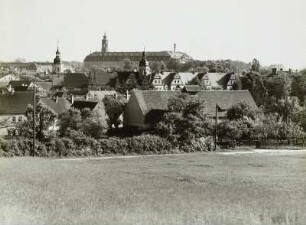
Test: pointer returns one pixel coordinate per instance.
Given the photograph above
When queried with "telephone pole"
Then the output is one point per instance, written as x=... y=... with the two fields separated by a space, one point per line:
x=34 y=123
x=216 y=128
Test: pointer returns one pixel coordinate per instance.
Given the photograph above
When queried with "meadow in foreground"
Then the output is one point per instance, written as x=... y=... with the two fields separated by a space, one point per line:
x=206 y=188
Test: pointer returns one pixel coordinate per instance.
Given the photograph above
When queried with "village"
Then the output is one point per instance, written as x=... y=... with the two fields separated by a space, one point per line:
x=152 y=112
x=126 y=93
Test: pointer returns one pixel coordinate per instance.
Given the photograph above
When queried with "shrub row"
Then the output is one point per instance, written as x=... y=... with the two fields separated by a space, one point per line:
x=78 y=145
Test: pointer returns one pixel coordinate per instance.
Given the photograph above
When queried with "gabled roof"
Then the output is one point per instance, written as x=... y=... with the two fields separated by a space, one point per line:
x=101 y=78
x=82 y=104
x=192 y=88
x=20 y=85
x=187 y=76
x=16 y=103
x=215 y=79
x=44 y=85
x=99 y=95
x=154 y=100
x=75 y=80
x=225 y=99
x=61 y=106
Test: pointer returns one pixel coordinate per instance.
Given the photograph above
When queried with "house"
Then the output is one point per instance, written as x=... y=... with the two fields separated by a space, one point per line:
x=58 y=106
x=146 y=108
x=96 y=106
x=8 y=78
x=21 y=85
x=217 y=81
x=43 y=88
x=223 y=100
x=13 y=108
x=192 y=89
x=101 y=80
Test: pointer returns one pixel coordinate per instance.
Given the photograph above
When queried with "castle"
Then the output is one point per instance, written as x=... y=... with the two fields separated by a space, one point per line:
x=105 y=59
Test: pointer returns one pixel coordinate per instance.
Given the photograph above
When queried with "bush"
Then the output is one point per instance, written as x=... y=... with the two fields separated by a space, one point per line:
x=148 y=144
x=113 y=146
x=202 y=144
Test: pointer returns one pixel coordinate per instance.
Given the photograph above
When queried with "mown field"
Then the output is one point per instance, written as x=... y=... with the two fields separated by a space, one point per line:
x=209 y=188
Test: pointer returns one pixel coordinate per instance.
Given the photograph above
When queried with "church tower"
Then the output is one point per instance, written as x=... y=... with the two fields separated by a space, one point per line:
x=57 y=66
x=104 y=43
x=144 y=68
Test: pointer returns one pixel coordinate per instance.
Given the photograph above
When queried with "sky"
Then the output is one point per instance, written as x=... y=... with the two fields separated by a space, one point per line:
x=273 y=31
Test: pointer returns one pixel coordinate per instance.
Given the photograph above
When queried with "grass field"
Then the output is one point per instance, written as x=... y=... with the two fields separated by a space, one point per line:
x=193 y=189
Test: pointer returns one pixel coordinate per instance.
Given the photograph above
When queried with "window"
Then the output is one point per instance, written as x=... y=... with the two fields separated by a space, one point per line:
x=14 y=119
x=19 y=118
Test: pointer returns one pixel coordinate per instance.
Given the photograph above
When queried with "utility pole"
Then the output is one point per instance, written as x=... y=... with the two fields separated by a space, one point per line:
x=216 y=128
x=34 y=122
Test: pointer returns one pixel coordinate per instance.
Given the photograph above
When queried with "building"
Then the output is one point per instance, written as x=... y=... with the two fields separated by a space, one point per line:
x=13 y=108
x=8 y=78
x=106 y=59
x=146 y=108
x=57 y=66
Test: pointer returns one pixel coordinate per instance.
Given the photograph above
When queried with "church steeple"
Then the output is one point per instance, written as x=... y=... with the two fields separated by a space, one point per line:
x=104 y=43
x=144 y=68
x=57 y=62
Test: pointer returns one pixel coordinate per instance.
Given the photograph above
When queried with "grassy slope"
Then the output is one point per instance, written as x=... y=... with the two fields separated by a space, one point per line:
x=188 y=189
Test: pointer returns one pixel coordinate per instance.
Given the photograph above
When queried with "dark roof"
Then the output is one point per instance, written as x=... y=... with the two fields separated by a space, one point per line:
x=158 y=100
x=225 y=99
x=20 y=85
x=16 y=103
x=75 y=80
x=192 y=88
x=44 y=85
x=168 y=79
x=61 y=106
x=101 y=78
x=82 y=104
x=154 y=100
x=135 y=56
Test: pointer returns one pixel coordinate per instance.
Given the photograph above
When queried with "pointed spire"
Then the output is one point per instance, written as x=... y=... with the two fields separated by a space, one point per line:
x=57 y=48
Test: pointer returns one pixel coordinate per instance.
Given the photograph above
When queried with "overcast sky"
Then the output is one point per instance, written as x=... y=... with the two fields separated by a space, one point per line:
x=273 y=31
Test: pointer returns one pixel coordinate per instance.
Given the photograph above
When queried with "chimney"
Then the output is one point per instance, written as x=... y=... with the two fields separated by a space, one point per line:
x=56 y=99
x=274 y=70
x=174 y=47
x=72 y=99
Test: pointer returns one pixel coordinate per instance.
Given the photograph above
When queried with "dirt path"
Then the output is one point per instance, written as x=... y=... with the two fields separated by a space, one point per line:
x=255 y=151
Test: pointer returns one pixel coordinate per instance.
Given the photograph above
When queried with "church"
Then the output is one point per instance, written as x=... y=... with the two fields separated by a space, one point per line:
x=105 y=59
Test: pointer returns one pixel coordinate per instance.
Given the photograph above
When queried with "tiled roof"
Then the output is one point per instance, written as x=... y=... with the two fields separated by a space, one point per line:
x=186 y=77
x=101 y=78
x=16 y=103
x=20 y=85
x=105 y=56
x=44 y=85
x=99 y=95
x=215 y=79
x=75 y=80
x=82 y=104
x=61 y=106
x=192 y=88
x=154 y=100
x=225 y=99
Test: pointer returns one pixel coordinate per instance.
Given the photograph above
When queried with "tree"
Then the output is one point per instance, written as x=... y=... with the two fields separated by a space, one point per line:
x=298 y=85
x=45 y=118
x=114 y=107
x=184 y=120
x=255 y=66
x=240 y=111
x=253 y=82
x=157 y=67
x=285 y=108
x=84 y=121
x=128 y=65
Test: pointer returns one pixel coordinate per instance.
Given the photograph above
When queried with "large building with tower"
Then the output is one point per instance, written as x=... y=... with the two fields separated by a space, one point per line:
x=106 y=59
